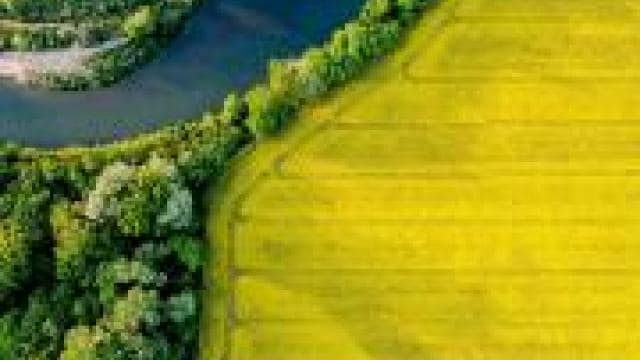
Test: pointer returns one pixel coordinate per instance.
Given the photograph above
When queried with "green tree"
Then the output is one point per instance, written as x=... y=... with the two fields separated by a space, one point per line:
x=124 y=274
x=379 y=9
x=81 y=343
x=74 y=240
x=118 y=335
x=141 y=23
x=141 y=200
x=234 y=110
x=39 y=329
x=189 y=252
x=7 y=342
x=15 y=245
x=267 y=111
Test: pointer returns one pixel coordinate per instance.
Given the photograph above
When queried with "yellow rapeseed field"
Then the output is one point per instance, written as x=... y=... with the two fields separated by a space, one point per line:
x=475 y=196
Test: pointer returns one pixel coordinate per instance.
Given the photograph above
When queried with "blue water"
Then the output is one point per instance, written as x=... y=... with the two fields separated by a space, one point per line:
x=224 y=48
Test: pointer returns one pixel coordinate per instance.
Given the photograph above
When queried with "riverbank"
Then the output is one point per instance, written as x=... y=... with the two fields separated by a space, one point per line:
x=218 y=52
x=24 y=66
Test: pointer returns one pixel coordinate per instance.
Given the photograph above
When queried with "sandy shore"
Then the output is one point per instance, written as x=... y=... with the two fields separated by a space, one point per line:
x=20 y=65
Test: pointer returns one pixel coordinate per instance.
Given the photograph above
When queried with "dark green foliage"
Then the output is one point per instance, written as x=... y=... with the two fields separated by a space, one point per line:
x=267 y=111
x=120 y=334
x=14 y=256
x=189 y=251
x=113 y=277
x=152 y=254
x=183 y=311
x=208 y=160
x=377 y=10
x=75 y=241
x=51 y=36
x=39 y=329
x=65 y=10
x=234 y=110
x=20 y=238
x=6 y=337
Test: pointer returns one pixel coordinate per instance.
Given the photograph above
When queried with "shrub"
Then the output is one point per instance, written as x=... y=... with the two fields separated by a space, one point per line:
x=178 y=212
x=189 y=251
x=234 y=110
x=74 y=238
x=118 y=335
x=141 y=23
x=81 y=343
x=38 y=330
x=378 y=9
x=267 y=111
x=122 y=273
x=14 y=256
x=7 y=342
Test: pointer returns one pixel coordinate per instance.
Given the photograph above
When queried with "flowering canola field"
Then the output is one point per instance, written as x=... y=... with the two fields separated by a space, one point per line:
x=474 y=196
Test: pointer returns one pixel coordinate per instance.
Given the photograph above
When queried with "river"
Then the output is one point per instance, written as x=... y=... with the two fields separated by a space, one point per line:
x=225 y=47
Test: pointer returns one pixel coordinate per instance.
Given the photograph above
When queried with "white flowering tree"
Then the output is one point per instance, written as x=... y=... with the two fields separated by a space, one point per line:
x=178 y=213
x=100 y=203
x=141 y=200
